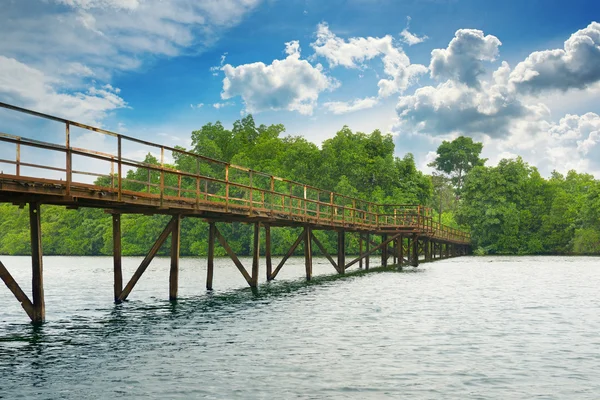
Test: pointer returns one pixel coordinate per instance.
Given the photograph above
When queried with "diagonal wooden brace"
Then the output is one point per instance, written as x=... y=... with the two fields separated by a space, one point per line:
x=149 y=257
x=370 y=251
x=14 y=287
x=233 y=256
x=325 y=253
x=288 y=254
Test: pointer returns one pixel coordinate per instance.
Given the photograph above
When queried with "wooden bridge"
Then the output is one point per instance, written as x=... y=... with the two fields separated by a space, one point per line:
x=73 y=173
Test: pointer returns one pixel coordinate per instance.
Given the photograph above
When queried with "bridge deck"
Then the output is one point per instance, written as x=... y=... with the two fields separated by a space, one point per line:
x=113 y=179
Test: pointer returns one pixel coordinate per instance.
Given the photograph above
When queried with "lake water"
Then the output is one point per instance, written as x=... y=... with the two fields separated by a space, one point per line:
x=469 y=327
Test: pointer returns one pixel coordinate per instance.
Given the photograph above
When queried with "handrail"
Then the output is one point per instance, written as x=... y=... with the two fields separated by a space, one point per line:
x=337 y=210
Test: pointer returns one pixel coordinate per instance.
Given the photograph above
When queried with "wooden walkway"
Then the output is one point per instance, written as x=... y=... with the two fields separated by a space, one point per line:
x=110 y=176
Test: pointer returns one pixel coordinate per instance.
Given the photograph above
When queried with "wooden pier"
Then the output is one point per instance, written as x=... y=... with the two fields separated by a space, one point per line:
x=204 y=188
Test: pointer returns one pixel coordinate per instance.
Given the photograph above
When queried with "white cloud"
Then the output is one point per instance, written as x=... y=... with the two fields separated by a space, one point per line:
x=341 y=107
x=289 y=84
x=87 y=4
x=27 y=86
x=410 y=38
x=84 y=39
x=463 y=59
x=224 y=104
x=577 y=66
x=355 y=52
x=196 y=106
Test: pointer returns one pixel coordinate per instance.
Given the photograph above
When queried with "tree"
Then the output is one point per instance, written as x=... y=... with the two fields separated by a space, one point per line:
x=457 y=158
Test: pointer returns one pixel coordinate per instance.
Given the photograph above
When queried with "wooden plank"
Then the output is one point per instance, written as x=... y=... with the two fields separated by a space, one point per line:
x=268 y=250
x=255 y=255
x=369 y=251
x=117 y=259
x=174 y=270
x=37 y=269
x=308 y=252
x=288 y=255
x=325 y=253
x=144 y=265
x=16 y=290
x=211 y=255
x=233 y=256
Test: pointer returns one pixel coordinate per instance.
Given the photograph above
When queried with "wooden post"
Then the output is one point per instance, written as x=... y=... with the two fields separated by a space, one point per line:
x=426 y=249
x=341 y=251
x=174 y=273
x=415 y=250
x=68 y=168
x=18 y=158
x=211 y=255
x=308 y=252
x=37 y=270
x=360 y=250
x=117 y=268
x=400 y=250
x=367 y=244
x=120 y=169
x=255 y=255
x=268 y=252
x=384 y=251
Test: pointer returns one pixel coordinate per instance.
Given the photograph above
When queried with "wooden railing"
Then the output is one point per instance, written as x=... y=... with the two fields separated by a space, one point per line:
x=201 y=181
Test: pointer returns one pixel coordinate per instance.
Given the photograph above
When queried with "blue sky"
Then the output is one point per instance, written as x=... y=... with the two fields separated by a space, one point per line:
x=521 y=76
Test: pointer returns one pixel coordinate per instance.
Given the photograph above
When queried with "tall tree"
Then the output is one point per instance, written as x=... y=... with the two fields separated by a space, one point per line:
x=457 y=158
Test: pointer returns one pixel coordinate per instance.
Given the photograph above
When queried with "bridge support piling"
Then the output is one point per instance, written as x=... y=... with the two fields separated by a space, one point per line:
x=360 y=250
x=384 y=251
x=400 y=250
x=426 y=249
x=415 y=250
x=211 y=256
x=174 y=271
x=268 y=252
x=117 y=259
x=341 y=252
x=308 y=252
x=255 y=255
x=37 y=271
x=368 y=245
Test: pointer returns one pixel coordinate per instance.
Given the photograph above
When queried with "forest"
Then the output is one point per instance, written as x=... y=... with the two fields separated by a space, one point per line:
x=509 y=208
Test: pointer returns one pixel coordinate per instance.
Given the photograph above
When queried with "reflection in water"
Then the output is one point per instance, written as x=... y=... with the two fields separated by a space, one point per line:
x=467 y=327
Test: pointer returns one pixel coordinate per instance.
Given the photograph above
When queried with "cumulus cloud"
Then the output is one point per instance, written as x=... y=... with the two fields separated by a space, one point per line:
x=355 y=52
x=463 y=59
x=576 y=66
x=342 y=107
x=27 y=86
x=290 y=84
x=455 y=107
x=218 y=106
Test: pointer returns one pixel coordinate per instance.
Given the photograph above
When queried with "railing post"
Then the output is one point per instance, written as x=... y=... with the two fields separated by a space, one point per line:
x=120 y=169
x=18 y=157
x=69 y=175
x=251 y=193
x=162 y=175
